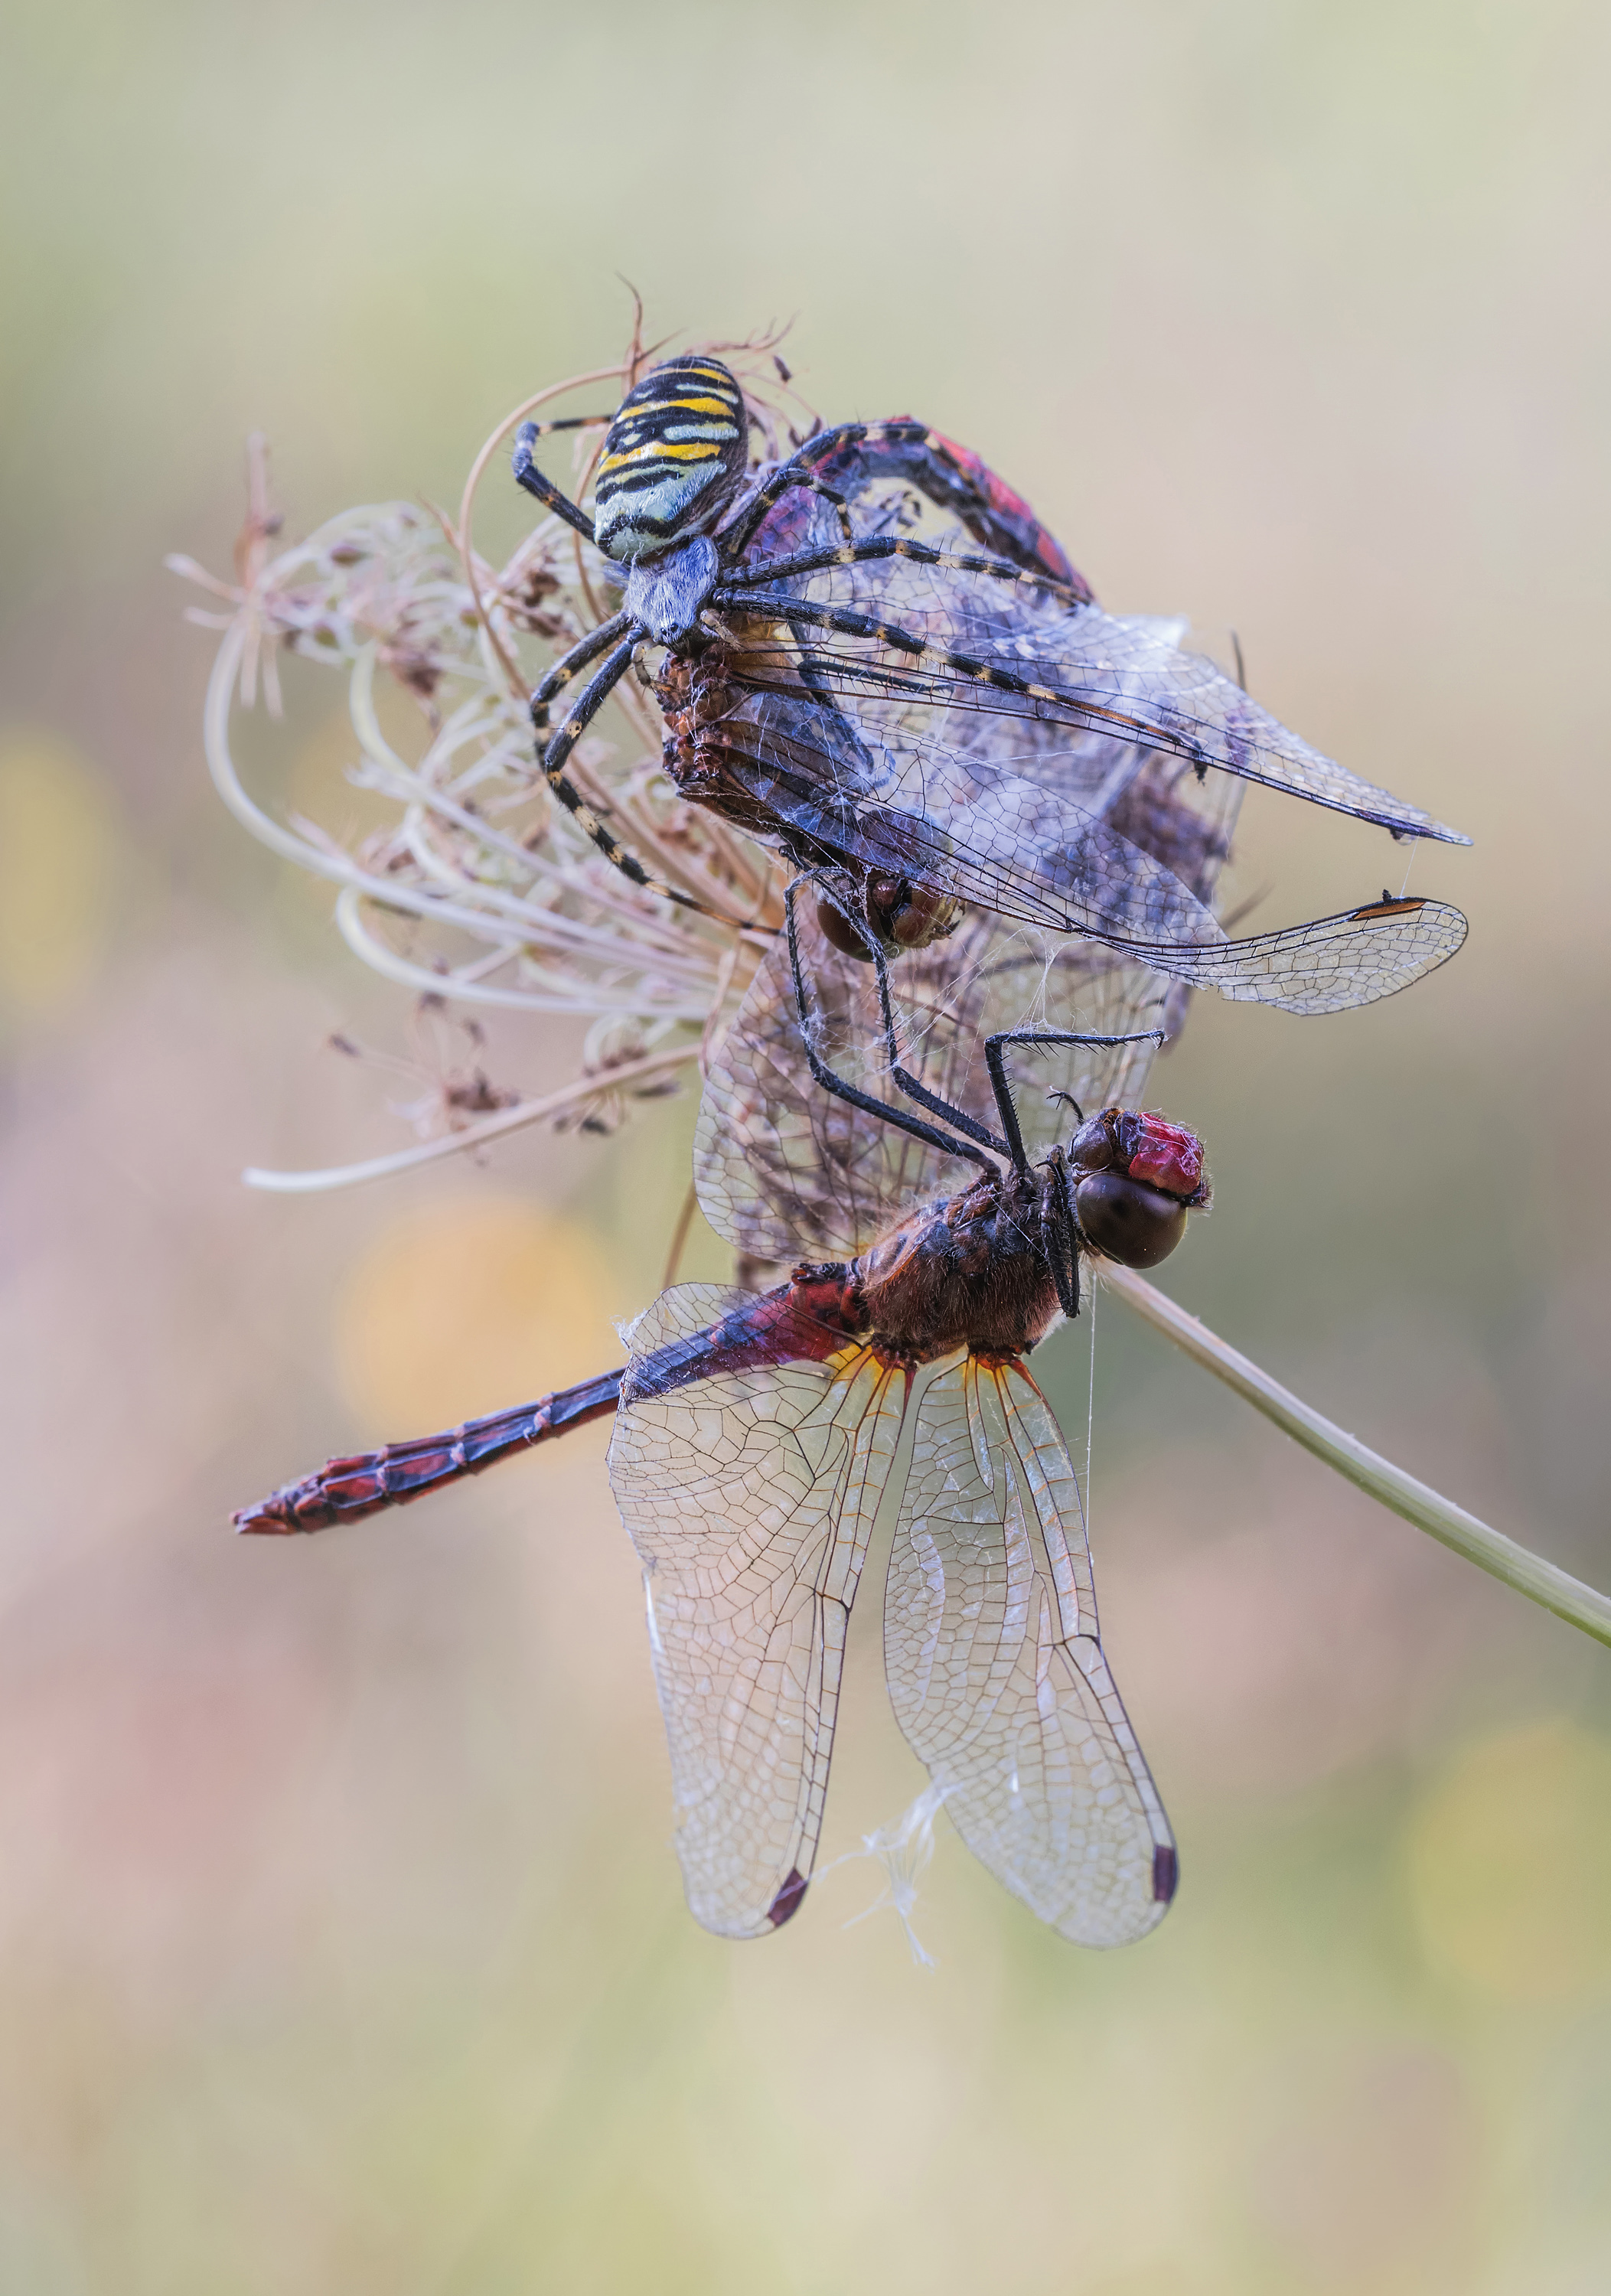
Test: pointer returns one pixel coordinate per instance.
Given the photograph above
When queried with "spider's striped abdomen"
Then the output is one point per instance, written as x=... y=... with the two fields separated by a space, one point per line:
x=671 y=458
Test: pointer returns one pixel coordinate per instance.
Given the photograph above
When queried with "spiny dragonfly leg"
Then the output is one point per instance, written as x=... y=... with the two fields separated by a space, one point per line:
x=949 y=1145
x=995 y=1060
x=908 y=1083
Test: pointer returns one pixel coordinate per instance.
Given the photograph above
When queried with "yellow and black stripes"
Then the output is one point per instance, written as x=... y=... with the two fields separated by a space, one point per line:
x=528 y=475
x=589 y=701
x=679 y=445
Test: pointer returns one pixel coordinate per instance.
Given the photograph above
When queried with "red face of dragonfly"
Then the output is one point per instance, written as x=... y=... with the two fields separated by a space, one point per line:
x=1136 y=1177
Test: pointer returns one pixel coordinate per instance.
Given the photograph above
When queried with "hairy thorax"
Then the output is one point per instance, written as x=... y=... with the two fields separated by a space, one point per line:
x=970 y=1271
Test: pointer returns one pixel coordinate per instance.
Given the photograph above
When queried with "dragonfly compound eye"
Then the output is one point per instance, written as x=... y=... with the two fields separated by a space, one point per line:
x=1135 y=1179
x=1126 y=1220
x=892 y=911
x=840 y=932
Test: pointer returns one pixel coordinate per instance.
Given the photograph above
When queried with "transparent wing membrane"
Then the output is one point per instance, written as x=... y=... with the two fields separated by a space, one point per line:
x=1104 y=676
x=749 y=1479
x=996 y=1671
x=783 y=1169
x=1013 y=845
x=1102 y=803
x=750 y=1495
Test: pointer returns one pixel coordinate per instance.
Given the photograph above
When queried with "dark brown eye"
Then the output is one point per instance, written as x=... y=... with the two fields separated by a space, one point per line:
x=1133 y=1223
x=839 y=933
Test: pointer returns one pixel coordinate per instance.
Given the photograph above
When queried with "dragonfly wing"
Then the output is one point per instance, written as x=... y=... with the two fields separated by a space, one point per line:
x=784 y=1168
x=955 y=819
x=749 y=1493
x=1118 y=676
x=1331 y=964
x=1016 y=848
x=1183 y=702
x=996 y=1668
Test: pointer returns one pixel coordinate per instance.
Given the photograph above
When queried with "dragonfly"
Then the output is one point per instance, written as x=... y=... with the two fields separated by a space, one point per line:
x=949 y=726
x=757 y=1433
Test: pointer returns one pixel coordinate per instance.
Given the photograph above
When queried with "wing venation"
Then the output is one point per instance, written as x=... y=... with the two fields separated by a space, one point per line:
x=996 y=1667
x=749 y=1496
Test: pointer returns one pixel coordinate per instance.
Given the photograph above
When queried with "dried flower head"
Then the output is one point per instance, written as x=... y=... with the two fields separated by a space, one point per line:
x=480 y=890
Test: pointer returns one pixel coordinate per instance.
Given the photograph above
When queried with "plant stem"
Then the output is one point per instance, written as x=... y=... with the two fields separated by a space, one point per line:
x=1542 y=1582
x=476 y=1135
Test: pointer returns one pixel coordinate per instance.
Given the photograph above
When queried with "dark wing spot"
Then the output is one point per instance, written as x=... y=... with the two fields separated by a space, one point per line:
x=789 y=1898
x=1166 y=1872
x=1385 y=908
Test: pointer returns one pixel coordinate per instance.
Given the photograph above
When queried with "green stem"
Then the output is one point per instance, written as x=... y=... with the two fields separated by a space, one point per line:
x=1542 y=1582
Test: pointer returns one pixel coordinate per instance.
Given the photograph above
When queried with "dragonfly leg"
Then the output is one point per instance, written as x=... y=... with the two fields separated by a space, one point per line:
x=1062 y=1242
x=995 y=1060
x=908 y=1083
x=948 y=1143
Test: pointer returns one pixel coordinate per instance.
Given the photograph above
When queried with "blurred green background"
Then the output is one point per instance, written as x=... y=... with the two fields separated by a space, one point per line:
x=343 y=1950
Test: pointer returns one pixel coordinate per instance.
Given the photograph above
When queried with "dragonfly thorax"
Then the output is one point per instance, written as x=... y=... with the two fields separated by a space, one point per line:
x=671 y=459
x=969 y=1271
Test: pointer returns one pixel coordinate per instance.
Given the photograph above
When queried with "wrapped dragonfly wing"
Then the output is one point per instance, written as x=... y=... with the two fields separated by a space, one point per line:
x=1044 y=806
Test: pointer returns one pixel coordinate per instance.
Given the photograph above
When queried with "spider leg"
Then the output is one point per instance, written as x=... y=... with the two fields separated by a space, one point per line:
x=528 y=476
x=954 y=480
x=570 y=665
x=995 y=1061
x=797 y=472
x=586 y=706
x=853 y=552
x=837 y=1084
x=847 y=623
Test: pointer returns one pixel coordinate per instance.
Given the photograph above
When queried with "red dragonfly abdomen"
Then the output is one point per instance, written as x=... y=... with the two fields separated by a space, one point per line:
x=345 y=1490
x=807 y=1319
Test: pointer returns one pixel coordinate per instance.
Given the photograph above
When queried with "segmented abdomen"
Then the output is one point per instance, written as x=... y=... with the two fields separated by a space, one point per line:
x=671 y=457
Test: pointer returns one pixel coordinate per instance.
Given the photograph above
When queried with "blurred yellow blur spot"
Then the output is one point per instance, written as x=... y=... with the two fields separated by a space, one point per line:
x=58 y=845
x=468 y=1307
x=1509 y=1866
